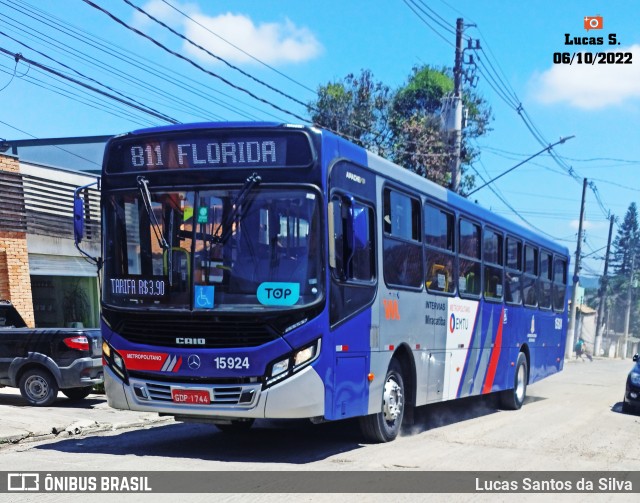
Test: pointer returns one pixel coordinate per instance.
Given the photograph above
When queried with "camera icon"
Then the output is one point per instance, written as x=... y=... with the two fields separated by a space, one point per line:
x=593 y=23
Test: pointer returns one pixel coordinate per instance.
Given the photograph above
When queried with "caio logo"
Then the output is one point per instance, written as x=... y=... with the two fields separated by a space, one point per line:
x=593 y=23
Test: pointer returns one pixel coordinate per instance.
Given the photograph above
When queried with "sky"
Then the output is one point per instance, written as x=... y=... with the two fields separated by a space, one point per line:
x=273 y=54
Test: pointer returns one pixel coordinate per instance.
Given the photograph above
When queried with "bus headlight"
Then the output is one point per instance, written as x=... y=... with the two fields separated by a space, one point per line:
x=114 y=361
x=281 y=369
x=305 y=355
x=117 y=361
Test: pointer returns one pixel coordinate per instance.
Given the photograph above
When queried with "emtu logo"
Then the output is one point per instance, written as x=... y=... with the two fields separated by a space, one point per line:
x=458 y=323
x=593 y=23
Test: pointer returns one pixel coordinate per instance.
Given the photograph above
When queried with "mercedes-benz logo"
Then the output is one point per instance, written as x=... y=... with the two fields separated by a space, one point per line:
x=194 y=362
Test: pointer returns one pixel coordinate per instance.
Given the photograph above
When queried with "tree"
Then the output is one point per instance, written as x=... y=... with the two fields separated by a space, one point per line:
x=404 y=125
x=355 y=108
x=626 y=246
x=626 y=263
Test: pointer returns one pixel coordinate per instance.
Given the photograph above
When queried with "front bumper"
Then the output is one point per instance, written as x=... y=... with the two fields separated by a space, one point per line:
x=300 y=396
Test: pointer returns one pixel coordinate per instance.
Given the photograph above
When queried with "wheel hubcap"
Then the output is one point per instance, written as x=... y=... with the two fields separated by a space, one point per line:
x=520 y=384
x=393 y=401
x=37 y=387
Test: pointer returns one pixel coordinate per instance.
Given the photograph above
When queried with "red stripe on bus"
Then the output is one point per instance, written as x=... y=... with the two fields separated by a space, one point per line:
x=495 y=356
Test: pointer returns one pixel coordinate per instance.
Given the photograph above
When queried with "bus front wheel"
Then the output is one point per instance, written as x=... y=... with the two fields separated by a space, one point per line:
x=512 y=399
x=385 y=425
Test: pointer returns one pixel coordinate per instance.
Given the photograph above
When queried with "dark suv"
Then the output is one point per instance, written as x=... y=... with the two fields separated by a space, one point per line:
x=41 y=361
x=631 y=400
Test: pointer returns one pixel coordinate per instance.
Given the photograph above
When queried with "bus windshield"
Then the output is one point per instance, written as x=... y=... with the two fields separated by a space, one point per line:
x=237 y=249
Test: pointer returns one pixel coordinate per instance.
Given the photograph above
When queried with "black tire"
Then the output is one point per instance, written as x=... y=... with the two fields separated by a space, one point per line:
x=625 y=407
x=236 y=426
x=512 y=399
x=78 y=393
x=38 y=387
x=385 y=425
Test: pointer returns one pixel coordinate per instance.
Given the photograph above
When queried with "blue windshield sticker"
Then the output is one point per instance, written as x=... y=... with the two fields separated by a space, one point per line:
x=203 y=297
x=278 y=294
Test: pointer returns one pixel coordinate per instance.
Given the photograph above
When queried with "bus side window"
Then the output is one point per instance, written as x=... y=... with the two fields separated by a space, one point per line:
x=351 y=257
x=544 y=281
x=559 y=283
x=529 y=278
x=439 y=232
x=493 y=263
x=403 y=262
x=469 y=266
x=513 y=273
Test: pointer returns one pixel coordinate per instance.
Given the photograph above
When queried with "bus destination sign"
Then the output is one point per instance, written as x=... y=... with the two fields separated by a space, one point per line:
x=224 y=151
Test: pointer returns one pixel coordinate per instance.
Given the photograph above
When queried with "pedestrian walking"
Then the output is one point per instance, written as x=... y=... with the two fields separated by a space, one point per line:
x=581 y=350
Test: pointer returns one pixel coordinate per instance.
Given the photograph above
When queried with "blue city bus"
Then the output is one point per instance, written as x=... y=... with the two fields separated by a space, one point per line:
x=264 y=270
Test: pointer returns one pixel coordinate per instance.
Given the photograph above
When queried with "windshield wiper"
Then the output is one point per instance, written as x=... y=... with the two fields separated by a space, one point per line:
x=239 y=209
x=143 y=185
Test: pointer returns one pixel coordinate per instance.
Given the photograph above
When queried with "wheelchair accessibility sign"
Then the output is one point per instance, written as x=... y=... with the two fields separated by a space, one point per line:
x=203 y=297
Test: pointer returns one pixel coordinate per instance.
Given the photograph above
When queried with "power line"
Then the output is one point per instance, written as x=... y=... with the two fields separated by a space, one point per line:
x=515 y=212
x=413 y=7
x=131 y=59
x=158 y=114
x=215 y=56
x=94 y=89
x=89 y=101
x=191 y=62
x=238 y=48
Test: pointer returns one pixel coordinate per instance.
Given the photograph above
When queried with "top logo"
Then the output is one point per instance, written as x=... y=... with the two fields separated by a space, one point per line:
x=593 y=23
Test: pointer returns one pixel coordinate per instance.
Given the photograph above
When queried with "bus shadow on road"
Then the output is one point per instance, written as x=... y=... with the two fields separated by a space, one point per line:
x=269 y=441
x=294 y=442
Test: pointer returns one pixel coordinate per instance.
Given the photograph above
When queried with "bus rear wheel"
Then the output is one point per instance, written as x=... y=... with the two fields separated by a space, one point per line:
x=385 y=425
x=512 y=399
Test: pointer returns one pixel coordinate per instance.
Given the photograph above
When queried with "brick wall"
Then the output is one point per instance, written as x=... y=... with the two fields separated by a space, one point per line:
x=15 y=282
x=9 y=163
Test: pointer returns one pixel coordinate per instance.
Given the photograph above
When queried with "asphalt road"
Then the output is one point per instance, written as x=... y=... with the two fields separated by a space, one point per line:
x=570 y=421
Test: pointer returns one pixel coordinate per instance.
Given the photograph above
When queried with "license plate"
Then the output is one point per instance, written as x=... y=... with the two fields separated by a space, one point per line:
x=191 y=396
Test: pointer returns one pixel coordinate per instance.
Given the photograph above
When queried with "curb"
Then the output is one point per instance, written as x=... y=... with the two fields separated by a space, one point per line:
x=78 y=429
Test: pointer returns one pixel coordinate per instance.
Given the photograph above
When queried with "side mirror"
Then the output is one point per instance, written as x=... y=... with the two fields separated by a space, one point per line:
x=78 y=218
x=636 y=357
x=78 y=222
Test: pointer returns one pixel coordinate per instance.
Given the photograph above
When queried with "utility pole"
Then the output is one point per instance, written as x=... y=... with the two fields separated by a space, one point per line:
x=627 y=315
x=576 y=271
x=603 y=293
x=457 y=104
